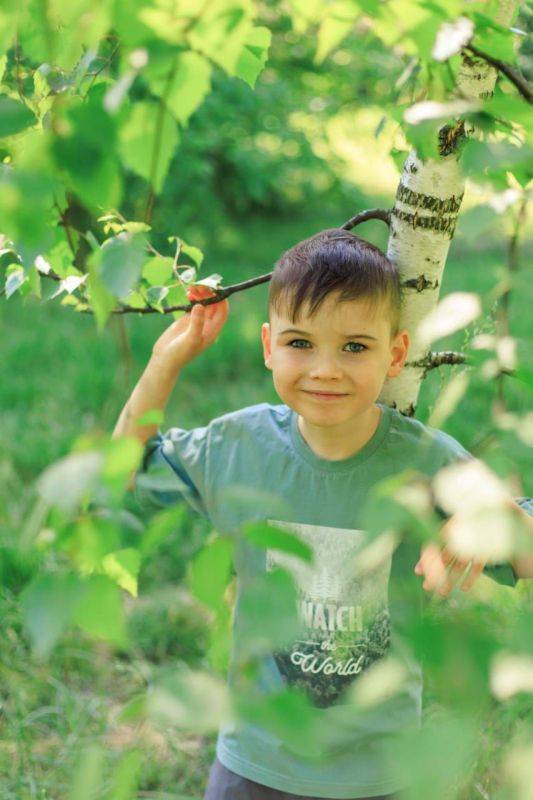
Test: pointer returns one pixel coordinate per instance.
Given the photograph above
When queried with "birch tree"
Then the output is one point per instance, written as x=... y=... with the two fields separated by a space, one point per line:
x=91 y=93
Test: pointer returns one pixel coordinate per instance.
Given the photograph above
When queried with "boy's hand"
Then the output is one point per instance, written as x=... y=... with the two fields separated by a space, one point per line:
x=188 y=336
x=443 y=570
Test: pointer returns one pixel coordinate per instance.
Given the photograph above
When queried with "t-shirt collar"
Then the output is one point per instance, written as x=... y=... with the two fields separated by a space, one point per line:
x=343 y=464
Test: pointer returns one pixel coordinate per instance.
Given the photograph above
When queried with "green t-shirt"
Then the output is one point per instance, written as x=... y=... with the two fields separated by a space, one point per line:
x=253 y=464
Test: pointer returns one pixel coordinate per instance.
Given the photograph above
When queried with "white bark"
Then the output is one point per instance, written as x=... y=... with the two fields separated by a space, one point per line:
x=422 y=225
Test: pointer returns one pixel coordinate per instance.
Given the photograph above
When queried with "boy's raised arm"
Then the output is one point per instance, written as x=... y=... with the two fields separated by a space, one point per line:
x=179 y=344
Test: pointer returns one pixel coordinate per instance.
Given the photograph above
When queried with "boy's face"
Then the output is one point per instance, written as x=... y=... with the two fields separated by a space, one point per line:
x=345 y=348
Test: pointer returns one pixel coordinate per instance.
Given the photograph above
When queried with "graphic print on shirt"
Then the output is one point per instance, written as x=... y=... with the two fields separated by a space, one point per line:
x=342 y=606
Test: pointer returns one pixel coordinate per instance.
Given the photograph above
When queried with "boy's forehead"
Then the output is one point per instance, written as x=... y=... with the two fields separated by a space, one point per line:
x=333 y=314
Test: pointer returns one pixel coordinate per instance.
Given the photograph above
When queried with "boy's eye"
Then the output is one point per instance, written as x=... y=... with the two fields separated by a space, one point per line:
x=357 y=344
x=294 y=343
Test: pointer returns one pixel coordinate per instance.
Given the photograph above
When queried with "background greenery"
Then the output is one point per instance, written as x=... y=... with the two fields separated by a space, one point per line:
x=255 y=171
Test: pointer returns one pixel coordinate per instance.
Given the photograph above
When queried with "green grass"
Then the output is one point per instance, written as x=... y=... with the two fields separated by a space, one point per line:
x=62 y=380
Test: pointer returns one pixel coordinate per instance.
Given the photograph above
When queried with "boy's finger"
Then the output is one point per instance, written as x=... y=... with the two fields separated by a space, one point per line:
x=472 y=576
x=434 y=569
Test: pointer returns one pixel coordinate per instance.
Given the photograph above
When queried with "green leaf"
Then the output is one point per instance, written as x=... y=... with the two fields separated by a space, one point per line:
x=86 y=128
x=48 y=604
x=190 y=83
x=161 y=525
x=15 y=277
x=155 y=296
x=177 y=296
x=88 y=773
x=121 y=458
x=254 y=55
x=122 y=566
x=100 y=611
x=68 y=481
x=266 y=535
x=193 y=700
x=120 y=262
x=268 y=613
x=14 y=116
x=494 y=39
x=193 y=252
x=153 y=417
x=147 y=142
x=125 y=777
x=222 y=31
x=157 y=271
x=210 y=572
x=337 y=23
x=102 y=301
x=34 y=281
x=30 y=225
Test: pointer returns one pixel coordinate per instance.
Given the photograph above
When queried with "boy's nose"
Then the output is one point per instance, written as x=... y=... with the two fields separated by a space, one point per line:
x=326 y=368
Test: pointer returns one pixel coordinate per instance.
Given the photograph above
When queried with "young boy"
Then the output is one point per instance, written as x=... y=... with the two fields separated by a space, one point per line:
x=306 y=465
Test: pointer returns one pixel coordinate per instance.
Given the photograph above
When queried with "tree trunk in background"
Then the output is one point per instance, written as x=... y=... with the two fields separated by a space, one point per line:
x=422 y=225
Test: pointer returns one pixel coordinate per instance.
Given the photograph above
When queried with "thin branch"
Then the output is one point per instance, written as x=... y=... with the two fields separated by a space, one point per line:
x=107 y=62
x=223 y=292
x=66 y=226
x=220 y=294
x=371 y=213
x=158 y=133
x=510 y=72
x=434 y=360
x=502 y=309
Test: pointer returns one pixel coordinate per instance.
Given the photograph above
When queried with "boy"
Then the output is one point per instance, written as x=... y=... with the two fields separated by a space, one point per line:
x=307 y=466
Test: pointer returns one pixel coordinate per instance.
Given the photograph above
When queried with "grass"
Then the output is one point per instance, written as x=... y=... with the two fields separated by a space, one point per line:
x=62 y=380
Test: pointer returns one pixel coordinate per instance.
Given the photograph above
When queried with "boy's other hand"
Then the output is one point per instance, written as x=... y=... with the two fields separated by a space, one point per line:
x=192 y=333
x=443 y=570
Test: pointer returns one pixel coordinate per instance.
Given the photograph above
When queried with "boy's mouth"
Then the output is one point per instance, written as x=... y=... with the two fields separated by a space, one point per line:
x=325 y=395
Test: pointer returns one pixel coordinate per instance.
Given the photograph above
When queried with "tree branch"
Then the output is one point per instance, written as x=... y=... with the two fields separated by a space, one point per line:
x=434 y=360
x=223 y=292
x=510 y=72
x=371 y=213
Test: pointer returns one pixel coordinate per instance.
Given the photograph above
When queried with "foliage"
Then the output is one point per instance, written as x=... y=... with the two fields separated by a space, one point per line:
x=109 y=114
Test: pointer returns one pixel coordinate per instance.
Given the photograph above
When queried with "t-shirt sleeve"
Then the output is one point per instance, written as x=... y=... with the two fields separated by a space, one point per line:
x=175 y=466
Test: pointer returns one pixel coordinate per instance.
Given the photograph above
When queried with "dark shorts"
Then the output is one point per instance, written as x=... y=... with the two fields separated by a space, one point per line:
x=223 y=784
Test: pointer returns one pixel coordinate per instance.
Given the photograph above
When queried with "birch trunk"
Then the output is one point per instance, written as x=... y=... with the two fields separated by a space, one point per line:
x=422 y=225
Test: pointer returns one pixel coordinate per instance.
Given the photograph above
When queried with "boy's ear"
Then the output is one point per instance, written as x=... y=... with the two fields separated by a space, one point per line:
x=399 y=349
x=265 y=337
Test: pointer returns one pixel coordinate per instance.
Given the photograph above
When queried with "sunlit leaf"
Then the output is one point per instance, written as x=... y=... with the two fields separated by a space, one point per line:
x=453 y=312
x=254 y=55
x=210 y=571
x=336 y=24
x=268 y=535
x=189 y=83
x=157 y=271
x=452 y=37
x=100 y=611
x=147 y=141
x=511 y=673
x=122 y=566
x=87 y=773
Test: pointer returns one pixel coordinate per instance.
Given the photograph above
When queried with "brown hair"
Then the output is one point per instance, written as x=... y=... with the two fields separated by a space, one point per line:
x=334 y=260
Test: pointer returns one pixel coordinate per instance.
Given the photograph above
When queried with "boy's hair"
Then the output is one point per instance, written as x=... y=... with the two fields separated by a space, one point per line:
x=334 y=260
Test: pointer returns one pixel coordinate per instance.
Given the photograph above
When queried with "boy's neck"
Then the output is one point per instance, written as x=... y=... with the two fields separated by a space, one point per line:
x=334 y=443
